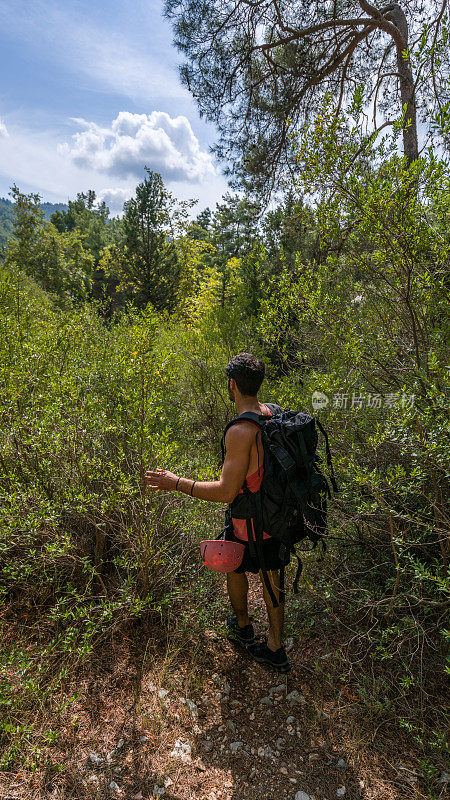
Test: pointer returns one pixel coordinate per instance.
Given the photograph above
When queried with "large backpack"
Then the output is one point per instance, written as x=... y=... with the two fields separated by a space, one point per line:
x=291 y=504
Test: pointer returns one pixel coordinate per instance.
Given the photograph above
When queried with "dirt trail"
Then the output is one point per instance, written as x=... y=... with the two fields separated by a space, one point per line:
x=249 y=737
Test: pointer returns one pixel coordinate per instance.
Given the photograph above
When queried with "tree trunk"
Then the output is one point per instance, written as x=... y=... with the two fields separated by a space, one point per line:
x=396 y=15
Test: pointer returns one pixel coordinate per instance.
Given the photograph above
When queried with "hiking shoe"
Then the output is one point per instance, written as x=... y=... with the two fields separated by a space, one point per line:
x=264 y=655
x=245 y=636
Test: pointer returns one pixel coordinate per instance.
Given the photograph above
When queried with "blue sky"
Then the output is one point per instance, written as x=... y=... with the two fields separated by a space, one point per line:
x=89 y=95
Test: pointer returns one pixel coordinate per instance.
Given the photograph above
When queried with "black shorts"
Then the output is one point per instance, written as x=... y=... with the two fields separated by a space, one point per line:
x=271 y=549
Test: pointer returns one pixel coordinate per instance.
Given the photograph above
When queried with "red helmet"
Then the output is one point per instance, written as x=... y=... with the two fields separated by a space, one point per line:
x=221 y=556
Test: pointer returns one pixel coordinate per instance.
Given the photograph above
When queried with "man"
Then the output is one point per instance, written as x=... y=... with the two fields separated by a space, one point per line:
x=243 y=462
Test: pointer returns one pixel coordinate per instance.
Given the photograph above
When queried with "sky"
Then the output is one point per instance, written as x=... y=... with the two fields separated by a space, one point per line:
x=89 y=95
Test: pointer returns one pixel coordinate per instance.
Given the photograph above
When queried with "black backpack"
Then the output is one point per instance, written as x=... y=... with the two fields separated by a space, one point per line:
x=291 y=504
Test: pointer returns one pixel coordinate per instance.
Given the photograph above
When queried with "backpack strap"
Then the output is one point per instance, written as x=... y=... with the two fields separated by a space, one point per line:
x=329 y=461
x=284 y=458
x=258 y=522
x=302 y=445
x=299 y=571
x=247 y=416
x=251 y=539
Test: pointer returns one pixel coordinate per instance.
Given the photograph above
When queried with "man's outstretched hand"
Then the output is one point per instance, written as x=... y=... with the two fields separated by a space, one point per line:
x=160 y=479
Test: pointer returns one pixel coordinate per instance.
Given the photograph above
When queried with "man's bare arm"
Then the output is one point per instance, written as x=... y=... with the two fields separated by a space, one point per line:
x=238 y=441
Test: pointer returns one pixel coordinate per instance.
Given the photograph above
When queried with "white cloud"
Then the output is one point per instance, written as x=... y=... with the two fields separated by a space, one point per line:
x=164 y=144
x=115 y=198
x=3 y=129
x=32 y=160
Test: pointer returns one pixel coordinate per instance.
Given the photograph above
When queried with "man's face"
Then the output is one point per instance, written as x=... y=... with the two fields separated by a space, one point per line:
x=231 y=389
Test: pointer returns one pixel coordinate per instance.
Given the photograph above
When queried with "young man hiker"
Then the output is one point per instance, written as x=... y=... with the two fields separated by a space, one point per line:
x=244 y=462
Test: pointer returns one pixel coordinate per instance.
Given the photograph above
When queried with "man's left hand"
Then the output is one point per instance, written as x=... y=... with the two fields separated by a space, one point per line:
x=160 y=479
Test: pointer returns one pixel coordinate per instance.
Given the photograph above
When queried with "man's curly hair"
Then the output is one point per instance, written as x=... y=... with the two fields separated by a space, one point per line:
x=248 y=372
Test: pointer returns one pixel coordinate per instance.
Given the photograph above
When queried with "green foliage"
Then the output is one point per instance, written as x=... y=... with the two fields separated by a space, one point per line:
x=341 y=289
x=91 y=220
x=147 y=263
x=7 y=218
x=85 y=409
x=57 y=261
x=369 y=319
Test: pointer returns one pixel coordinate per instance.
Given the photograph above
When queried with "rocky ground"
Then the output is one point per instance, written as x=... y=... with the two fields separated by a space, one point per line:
x=225 y=729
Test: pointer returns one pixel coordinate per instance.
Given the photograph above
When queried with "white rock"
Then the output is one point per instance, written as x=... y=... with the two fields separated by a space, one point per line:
x=283 y=770
x=268 y=752
x=302 y=796
x=341 y=764
x=235 y=746
x=252 y=717
x=120 y=744
x=265 y=701
x=95 y=759
x=143 y=738
x=197 y=729
x=192 y=708
x=445 y=778
x=290 y=730
x=289 y=644
x=295 y=698
x=341 y=791
x=168 y=782
x=261 y=752
x=152 y=687
x=113 y=786
x=162 y=693
x=277 y=689
x=93 y=779
x=280 y=742
x=182 y=750
x=158 y=791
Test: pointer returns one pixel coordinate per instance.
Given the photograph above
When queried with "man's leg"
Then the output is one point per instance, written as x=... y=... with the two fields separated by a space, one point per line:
x=275 y=615
x=237 y=585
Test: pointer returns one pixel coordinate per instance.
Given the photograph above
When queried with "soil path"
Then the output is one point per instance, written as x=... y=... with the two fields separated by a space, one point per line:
x=232 y=730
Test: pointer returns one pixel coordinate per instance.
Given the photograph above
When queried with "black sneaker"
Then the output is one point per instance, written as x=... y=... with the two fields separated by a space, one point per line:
x=245 y=636
x=264 y=655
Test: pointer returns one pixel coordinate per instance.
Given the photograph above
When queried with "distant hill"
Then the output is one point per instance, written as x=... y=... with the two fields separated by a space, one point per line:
x=7 y=217
x=6 y=221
